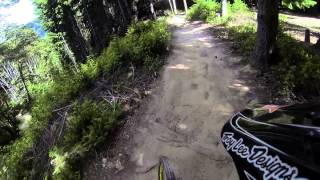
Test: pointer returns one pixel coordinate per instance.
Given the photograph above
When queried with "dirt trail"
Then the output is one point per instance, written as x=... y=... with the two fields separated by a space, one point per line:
x=198 y=91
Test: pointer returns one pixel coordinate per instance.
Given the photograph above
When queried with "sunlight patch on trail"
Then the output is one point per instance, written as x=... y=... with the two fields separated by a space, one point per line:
x=198 y=29
x=209 y=45
x=182 y=126
x=179 y=66
x=240 y=87
x=177 y=21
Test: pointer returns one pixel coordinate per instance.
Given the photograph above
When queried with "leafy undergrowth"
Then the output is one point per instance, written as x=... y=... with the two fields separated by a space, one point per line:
x=89 y=121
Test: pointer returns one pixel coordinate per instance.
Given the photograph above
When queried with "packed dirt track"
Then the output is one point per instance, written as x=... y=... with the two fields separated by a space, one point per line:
x=199 y=89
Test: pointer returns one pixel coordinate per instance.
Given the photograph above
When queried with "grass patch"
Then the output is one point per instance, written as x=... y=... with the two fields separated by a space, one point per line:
x=142 y=46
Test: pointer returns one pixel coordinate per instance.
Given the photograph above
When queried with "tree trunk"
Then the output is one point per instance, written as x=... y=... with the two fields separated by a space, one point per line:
x=171 y=7
x=268 y=13
x=174 y=6
x=24 y=83
x=126 y=15
x=153 y=13
x=128 y=11
x=73 y=35
x=124 y=18
x=185 y=5
x=98 y=22
x=224 y=8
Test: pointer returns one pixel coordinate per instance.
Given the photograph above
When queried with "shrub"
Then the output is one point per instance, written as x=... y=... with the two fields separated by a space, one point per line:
x=88 y=126
x=238 y=6
x=207 y=10
x=215 y=20
x=62 y=169
x=90 y=70
x=89 y=123
x=244 y=37
x=144 y=39
x=153 y=63
x=203 y=9
x=299 y=68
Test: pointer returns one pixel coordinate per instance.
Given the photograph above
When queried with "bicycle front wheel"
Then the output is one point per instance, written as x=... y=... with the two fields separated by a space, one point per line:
x=165 y=172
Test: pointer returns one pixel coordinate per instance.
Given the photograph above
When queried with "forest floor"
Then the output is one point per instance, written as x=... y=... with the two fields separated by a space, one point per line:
x=200 y=87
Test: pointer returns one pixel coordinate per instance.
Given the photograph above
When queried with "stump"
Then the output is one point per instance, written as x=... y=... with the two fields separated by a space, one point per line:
x=307 y=36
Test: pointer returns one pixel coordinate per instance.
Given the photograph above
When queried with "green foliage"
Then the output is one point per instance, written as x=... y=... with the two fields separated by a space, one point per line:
x=63 y=89
x=208 y=10
x=203 y=9
x=298 y=4
x=35 y=56
x=282 y=19
x=152 y=64
x=88 y=126
x=51 y=15
x=299 y=68
x=62 y=168
x=215 y=20
x=17 y=40
x=238 y=6
x=90 y=122
x=244 y=38
x=49 y=59
x=90 y=70
x=144 y=39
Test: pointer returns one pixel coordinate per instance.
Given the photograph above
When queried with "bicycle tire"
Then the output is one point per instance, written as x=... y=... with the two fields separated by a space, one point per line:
x=165 y=172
